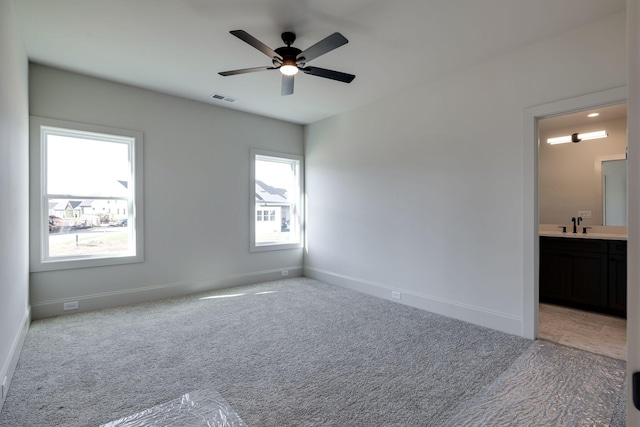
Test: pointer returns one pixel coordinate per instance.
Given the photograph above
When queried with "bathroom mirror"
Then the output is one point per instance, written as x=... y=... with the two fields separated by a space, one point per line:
x=585 y=178
x=614 y=192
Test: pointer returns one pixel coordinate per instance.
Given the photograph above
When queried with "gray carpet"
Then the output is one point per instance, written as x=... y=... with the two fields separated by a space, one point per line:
x=295 y=352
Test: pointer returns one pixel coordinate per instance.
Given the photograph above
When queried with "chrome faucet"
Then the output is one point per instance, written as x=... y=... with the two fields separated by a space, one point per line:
x=576 y=222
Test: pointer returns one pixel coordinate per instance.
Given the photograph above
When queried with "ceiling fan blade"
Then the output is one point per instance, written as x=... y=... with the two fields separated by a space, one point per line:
x=329 y=74
x=248 y=38
x=325 y=45
x=245 y=71
x=287 y=85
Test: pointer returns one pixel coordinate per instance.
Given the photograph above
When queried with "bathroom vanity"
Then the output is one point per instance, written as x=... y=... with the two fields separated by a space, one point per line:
x=586 y=271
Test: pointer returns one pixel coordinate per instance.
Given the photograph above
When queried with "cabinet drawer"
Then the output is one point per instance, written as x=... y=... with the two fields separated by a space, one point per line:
x=568 y=244
x=618 y=247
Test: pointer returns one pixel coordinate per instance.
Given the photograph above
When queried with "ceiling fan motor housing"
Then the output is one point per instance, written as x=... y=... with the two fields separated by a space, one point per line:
x=288 y=53
x=288 y=38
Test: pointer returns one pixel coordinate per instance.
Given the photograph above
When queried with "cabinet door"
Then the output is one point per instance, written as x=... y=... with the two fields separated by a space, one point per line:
x=552 y=276
x=587 y=281
x=618 y=283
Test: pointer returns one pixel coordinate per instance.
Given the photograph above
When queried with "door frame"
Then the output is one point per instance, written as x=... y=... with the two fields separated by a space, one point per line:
x=531 y=255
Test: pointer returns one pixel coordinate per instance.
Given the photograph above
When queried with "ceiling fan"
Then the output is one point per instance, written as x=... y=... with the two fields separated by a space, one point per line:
x=289 y=60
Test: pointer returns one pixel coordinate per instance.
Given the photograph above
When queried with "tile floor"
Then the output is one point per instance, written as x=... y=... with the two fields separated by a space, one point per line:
x=594 y=332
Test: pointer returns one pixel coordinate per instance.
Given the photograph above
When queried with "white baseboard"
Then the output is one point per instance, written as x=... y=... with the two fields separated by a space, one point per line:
x=9 y=365
x=468 y=313
x=52 y=308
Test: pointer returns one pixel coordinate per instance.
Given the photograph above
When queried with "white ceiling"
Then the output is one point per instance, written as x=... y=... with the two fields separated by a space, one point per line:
x=178 y=47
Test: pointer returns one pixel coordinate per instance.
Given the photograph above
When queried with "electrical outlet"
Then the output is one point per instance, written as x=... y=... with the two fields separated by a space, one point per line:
x=71 y=305
x=4 y=388
x=284 y=273
x=584 y=214
x=395 y=294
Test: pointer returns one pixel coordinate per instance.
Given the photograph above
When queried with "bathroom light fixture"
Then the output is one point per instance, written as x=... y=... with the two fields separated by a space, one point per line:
x=577 y=137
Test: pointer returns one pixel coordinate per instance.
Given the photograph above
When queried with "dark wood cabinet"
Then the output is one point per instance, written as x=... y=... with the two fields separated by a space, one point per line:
x=618 y=276
x=553 y=274
x=587 y=279
x=584 y=273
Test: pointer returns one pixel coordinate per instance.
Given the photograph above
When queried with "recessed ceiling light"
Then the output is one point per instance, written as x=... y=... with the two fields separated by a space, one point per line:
x=593 y=115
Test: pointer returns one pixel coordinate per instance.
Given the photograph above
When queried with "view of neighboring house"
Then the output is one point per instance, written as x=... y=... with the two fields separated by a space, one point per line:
x=114 y=209
x=89 y=212
x=273 y=211
x=65 y=208
x=64 y=213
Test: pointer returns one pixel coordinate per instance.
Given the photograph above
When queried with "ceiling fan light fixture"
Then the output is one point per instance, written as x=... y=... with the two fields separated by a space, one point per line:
x=289 y=70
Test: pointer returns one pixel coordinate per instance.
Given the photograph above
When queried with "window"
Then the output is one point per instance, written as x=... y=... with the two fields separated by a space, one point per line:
x=276 y=195
x=266 y=215
x=86 y=195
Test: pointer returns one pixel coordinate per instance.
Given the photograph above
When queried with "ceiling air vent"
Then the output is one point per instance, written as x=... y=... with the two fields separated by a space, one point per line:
x=223 y=98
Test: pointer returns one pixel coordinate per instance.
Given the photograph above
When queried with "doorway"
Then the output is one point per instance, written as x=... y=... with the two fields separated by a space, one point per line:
x=580 y=180
x=530 y=215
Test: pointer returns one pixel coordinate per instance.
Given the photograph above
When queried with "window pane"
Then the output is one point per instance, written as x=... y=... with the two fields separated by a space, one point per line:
x=82 y=166
x=85 y=227
x=87 y=166
x=277 y=195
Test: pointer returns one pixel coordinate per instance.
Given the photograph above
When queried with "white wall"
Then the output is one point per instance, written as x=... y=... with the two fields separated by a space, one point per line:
x=423 y=191
x=570 y=175
x=14 y=179
x=196 y=199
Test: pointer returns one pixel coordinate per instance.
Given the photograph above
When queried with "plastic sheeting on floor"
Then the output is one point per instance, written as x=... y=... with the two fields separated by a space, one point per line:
x=195 y=409
x=549 y=385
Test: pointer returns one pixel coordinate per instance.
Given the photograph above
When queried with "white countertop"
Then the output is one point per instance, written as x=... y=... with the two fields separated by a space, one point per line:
x=580 y=235
x=597 y=232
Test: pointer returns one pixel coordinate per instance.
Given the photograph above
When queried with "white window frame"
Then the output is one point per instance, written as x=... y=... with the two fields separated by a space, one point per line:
x=297 y=207
x=40 y=127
